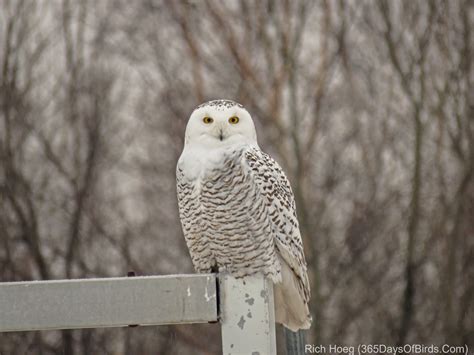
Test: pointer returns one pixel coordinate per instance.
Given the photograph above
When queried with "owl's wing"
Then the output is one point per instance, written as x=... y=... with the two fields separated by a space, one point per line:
x=275 y=187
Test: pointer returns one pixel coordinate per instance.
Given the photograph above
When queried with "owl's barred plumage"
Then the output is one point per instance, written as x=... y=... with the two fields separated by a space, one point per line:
x=237 y=209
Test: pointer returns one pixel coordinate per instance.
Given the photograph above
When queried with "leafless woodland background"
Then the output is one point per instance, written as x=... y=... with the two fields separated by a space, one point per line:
x=368 y=106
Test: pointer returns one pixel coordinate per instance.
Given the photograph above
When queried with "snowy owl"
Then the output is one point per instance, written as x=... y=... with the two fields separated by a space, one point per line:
x=237 y=209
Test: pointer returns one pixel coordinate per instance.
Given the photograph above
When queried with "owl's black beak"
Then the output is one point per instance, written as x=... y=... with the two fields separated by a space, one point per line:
x=221 y=135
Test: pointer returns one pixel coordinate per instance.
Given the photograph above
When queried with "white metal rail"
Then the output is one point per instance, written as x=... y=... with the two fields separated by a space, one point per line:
x=246 y=306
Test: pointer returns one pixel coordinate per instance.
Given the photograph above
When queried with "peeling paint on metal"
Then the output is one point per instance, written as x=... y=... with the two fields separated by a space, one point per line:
x=207 y=296
x=264 y=295
x=247 y=316
x=241 y=322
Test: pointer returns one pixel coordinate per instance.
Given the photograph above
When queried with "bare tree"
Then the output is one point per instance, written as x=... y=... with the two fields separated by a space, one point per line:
x=367 y=105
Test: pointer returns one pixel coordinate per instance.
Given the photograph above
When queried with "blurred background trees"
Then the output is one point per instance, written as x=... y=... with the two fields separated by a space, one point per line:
x=368 y=106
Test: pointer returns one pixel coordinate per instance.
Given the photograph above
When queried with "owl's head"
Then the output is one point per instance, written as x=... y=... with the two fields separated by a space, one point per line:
x=220 y=123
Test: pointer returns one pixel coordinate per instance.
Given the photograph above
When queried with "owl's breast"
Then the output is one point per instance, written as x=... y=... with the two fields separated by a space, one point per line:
x=221 y=185
x=227 y=219
x=207 y=192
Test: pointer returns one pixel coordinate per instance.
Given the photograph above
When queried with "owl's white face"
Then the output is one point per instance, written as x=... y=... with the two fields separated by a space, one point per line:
x=219 y=124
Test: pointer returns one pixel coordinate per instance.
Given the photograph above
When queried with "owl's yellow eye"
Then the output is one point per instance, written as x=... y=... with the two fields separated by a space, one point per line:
x=207 y=120
x=234 y=120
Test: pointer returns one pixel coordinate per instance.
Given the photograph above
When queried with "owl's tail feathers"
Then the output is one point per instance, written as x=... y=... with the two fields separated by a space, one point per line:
x=290 y=308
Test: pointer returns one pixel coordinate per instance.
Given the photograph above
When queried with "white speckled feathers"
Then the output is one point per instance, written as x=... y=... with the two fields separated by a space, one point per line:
x=237 y=209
